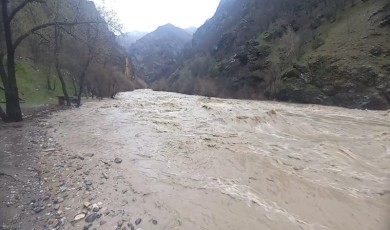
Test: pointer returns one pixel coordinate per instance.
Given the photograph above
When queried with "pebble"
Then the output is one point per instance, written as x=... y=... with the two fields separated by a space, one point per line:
x=56 y=207
x=58 y=200
x=118 y=160
x=79 y=217
x=105 y=176
x=91 y=218
x=138 y=221
x=120 y=223
x=155 y=222
x=86 y=205
x=102 y=222
x=86 y=227
x=52 y=223
x=131 y=226
x=37 y=209
x=63 y=188
x=88 y=182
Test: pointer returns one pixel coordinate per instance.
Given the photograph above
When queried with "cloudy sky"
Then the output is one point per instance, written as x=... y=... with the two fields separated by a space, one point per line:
x=147 y=15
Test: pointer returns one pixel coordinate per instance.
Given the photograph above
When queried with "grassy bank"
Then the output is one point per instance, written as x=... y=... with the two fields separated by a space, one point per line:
x=33 y=86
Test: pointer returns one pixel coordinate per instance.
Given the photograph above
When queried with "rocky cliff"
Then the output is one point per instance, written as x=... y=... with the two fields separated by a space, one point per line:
x=333 y=52
x=157 y=54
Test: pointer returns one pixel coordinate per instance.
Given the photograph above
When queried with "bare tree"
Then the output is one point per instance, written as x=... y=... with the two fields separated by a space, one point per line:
x=8 y=75
x=57 y=50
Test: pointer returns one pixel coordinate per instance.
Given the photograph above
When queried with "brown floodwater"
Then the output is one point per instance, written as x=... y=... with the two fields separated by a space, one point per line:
x=194 y=162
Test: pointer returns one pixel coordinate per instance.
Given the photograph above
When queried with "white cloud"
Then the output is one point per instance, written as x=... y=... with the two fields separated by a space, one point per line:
x=147 y=15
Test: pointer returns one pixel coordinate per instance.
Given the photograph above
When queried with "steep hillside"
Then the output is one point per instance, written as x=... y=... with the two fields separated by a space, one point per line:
x=326 y=52
x=157 y=54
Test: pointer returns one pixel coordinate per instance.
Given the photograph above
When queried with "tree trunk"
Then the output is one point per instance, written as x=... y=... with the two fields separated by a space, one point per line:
x=3 y=73
x=58 y=38
x=82 y=80
x=63 y=84
x=74 y=86
x=48 y=82
x=54 y=85
x=13 y=111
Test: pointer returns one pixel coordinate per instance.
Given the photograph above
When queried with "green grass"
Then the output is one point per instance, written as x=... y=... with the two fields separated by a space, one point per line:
x=32 y=86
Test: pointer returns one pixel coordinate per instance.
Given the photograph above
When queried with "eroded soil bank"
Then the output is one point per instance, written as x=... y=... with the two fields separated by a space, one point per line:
x=186 y=162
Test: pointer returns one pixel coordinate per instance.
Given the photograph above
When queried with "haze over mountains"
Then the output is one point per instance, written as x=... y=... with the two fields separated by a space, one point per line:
x=324 y=52
x=129 y=38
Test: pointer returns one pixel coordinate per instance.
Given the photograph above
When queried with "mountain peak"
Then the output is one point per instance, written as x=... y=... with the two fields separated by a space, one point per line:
x=157 y=54
x=168 y=25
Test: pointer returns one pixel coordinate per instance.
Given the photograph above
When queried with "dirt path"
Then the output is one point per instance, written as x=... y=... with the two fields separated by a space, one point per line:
x=187 y=162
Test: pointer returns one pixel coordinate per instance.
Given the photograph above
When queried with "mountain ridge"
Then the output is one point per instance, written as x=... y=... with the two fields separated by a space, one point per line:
x=289 y=50
x=156 y=55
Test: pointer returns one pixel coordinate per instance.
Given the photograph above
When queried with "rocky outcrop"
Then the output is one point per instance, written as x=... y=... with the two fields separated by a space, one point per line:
x=322 y=82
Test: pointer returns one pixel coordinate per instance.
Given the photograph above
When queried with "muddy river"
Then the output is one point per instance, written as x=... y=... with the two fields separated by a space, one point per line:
x=191 y=162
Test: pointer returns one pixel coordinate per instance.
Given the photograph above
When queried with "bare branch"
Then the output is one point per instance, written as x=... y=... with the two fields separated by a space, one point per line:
x=73 y=35
x=46 y=25
x=41 y=36
x=44 y=40
x=20 y=7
